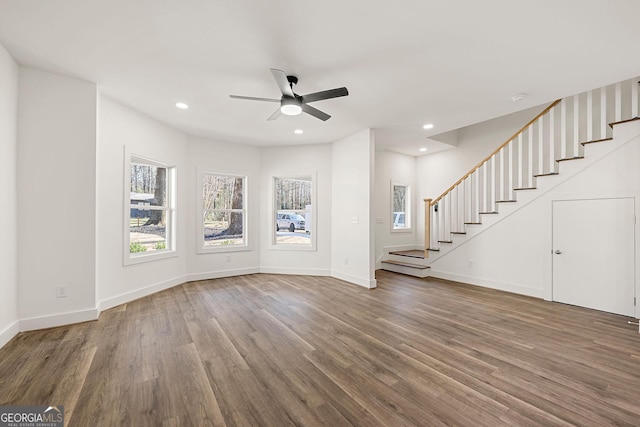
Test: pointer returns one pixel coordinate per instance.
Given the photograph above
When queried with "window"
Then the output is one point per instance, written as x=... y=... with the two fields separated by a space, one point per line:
x=401 y=207
x=150 y=213
x=293 y=213
x=223 y=212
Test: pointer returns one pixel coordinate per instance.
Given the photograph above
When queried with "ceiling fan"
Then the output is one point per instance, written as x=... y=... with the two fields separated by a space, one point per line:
x=292 y=104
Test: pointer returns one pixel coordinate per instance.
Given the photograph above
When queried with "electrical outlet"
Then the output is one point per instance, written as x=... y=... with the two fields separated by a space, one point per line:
x=470 y=263
x=228 y=259
x=62 y=291
x=346 y=261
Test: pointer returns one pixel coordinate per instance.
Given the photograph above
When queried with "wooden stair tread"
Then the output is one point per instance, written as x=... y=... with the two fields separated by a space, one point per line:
x=488 y=213
x=525 y=188
x=497 y=201
x=414 y=253
x=473 y=223
x=445 y=241
x=406 y=264
x=548 y=173
x=570 y=158
x=596 y=140
x=611 y=125
x=458 y=232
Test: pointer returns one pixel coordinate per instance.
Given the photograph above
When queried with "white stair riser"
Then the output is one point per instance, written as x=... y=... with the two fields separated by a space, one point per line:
x=415 y=272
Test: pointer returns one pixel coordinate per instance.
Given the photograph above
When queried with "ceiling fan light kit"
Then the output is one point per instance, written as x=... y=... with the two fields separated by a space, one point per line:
x=292 y=104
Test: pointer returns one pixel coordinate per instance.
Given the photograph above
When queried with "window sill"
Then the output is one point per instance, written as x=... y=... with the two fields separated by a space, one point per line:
x=219 y=250
x=402 y=230
x=139 y=259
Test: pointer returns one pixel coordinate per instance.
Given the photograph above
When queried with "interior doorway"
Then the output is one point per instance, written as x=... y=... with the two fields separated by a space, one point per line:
x=594 y=254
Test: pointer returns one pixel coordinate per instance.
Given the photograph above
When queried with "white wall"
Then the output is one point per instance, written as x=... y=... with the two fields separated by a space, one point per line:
x=390 y=166
x=515 y=254
x=352 y=228
x=230 y=158
x=56 y=198
x=296 y=161
x=8 y=189
x=121 y=126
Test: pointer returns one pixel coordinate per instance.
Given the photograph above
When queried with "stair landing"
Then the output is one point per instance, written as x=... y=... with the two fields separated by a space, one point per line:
x=412 y=263
x=411 y=254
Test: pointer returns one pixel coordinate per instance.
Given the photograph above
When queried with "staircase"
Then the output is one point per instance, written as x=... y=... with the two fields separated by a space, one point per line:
x=563 y=139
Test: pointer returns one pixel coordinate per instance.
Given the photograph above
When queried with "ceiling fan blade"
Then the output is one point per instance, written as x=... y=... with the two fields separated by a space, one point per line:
x=275 y=115
x=315 y=112
x=283 y=83
x=325 y=94
x=253 y=98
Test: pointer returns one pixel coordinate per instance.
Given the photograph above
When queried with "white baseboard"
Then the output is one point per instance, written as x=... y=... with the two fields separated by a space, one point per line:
x=139 y=293
x=360 y=281
x=9 y=332
x=61 y=319
x=507 y=287
x=295 y=271
x=222 y=273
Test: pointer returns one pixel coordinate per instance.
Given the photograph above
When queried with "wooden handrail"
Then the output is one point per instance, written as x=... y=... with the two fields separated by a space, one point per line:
x=545 y=111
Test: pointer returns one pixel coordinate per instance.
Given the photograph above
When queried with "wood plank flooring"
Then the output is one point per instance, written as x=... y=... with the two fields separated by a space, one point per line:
x=271 y=350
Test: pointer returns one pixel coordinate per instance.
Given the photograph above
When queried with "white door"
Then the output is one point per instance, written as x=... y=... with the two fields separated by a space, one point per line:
x=593 y=254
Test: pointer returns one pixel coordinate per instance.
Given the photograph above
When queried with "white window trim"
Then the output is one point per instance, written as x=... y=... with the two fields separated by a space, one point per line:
x=312 y=247
x=171 y=251
x=408 y=215
x=200 y=247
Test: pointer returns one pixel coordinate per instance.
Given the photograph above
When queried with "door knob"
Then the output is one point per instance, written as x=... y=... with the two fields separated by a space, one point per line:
x=558 y=252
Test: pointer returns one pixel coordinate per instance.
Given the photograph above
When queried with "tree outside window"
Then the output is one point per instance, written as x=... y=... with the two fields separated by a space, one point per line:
x=401 y=207
x=223 y=211
x=150 y=208
x=293 y=201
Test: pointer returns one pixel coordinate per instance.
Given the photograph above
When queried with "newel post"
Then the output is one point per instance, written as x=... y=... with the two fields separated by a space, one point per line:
x=427 y=226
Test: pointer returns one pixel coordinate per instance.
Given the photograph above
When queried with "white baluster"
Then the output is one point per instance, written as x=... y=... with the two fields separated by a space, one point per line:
x=590 y=116
x=530 y=157
x=563 y=129
x=520 y=161
x=467 y=200
x=634 y=98
x=541 y=145
x=511 y=181
x=576 y=126
x=453 y=214
x=477 y=194
x=618 y=102
x=603 y=112
x=485 y=182
x=501 y=186
x=447 y=217
x=461 y=200
x=435 y=229
x=492 y=184
x=552 y=139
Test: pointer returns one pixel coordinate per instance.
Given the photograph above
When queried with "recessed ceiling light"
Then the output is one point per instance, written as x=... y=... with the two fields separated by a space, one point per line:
x=182 y=105
x=423 y=149
x=519 y=97
x=298 y=131
x=428 y=126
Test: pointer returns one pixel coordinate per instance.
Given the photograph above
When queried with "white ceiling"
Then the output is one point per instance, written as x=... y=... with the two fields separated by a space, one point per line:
x=405 y=63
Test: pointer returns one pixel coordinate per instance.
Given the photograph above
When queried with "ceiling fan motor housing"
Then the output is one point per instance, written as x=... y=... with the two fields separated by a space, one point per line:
x=293 y=80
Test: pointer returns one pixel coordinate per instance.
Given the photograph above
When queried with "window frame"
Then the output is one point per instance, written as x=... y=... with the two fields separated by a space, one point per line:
x=408 y=208
x=201 y=248
x=171 y=211
x=312 y=246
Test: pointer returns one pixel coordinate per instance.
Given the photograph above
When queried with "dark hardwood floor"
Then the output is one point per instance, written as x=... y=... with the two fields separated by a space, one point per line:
x=294 y=350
